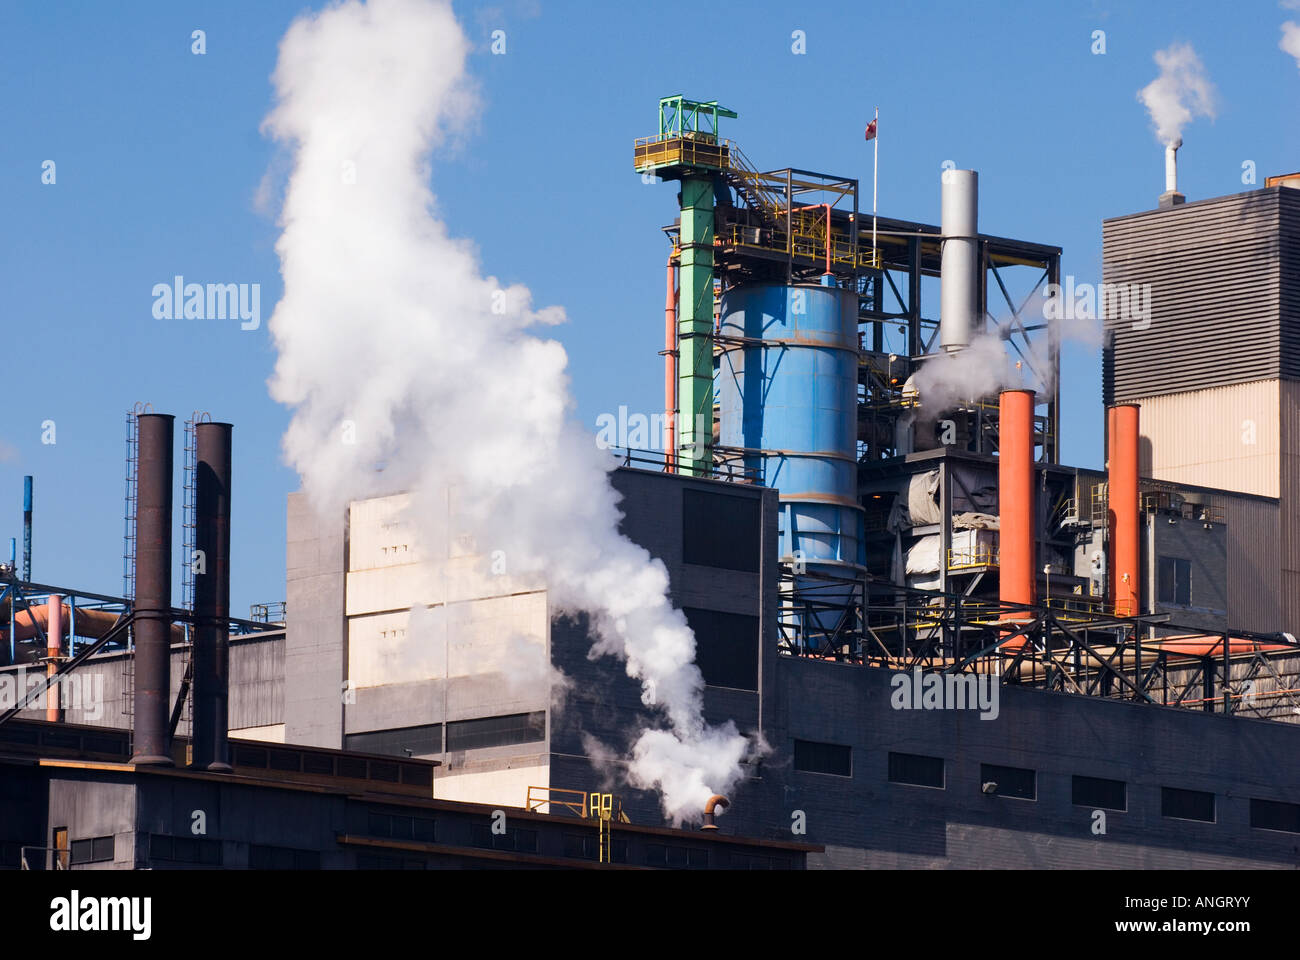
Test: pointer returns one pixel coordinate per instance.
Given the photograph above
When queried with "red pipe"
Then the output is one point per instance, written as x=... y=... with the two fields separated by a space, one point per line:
x=1203 y=647
x=53 y=650
x=90 y=623
x=670 y=370
x=1109 y=440
x=1124 y=514
x=1016 y=501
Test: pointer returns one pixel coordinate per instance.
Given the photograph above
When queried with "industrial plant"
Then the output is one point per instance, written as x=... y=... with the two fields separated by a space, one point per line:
x=947 y=647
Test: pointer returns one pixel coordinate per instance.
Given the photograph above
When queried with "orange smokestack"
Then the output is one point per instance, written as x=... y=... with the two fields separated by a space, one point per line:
x=670 y=372
x=53 y=649
x=1122 y=480
x=1016 y=498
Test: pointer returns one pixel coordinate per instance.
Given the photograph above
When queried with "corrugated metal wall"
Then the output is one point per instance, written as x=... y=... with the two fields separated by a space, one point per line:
x=1254 y=577
x=1223 y=437
x=1216 y=301
x=1289 y=199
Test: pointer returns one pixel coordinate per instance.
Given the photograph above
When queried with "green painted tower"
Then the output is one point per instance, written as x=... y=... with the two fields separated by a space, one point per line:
x=687 y=148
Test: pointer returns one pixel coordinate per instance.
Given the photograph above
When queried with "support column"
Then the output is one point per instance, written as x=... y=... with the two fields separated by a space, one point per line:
x=695 y=327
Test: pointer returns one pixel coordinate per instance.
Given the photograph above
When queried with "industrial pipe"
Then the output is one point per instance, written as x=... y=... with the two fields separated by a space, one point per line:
x=212 y=597
x=1171 y=165
x=1017 y=577
x=90 y=623
x=959 y=264
x=715 y=801
x=53 y=651
x=1123 y=510
x=670 y=370
x=153 y=588
x=27 y=529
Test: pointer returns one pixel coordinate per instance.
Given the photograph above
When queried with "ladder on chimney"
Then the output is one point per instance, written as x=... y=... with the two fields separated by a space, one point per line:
x=189 y=543
x=128 y=556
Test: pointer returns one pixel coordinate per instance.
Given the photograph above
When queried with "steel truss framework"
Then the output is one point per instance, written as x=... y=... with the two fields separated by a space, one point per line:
x=1058 y=648
x=19 y=597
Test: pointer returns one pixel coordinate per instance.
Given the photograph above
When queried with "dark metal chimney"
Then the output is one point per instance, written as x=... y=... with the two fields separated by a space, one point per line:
x=153 y=588
x=212 y=597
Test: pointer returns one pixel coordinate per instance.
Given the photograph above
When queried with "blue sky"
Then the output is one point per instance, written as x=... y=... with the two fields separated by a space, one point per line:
x=159 y=158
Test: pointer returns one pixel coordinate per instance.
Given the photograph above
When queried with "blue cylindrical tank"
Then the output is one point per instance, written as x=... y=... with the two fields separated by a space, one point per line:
x=788 y=377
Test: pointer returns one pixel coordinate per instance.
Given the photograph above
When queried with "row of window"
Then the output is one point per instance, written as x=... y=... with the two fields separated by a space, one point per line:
x=1022 y=784
x=461 y=735
x=94 y=850
x=264 y=857
x=195 y=850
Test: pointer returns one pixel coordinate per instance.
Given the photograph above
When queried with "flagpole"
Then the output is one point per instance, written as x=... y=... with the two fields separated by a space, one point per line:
x=875 y=167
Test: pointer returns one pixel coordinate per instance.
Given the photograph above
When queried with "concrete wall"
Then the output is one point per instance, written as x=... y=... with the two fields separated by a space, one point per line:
x=315 y=650
x=94 y=807
x=1056 y=735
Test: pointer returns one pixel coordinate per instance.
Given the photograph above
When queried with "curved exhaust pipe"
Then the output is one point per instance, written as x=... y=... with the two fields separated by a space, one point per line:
x=715 y=801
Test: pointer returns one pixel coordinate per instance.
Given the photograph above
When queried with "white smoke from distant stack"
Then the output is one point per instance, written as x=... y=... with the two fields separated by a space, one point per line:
x=981 y=369
x=1290 y=42
x=394 y=348
x=1179 y=94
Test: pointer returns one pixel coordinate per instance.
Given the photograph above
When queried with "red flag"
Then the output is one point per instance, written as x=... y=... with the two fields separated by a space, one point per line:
x=871 y=130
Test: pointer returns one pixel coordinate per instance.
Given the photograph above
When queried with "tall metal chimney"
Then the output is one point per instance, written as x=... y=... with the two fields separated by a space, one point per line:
x=1171 y=197
x=958 y=310
x=53 y=653
x=212 y=597
x=1124 y=516
x=153 y=588
x=1016 y=541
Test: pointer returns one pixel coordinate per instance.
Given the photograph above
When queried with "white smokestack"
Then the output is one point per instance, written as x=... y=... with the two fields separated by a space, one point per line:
x=395 y=348
x=1180 y=93
x=959 y=313
x=1171 y=166
x=1171 y=197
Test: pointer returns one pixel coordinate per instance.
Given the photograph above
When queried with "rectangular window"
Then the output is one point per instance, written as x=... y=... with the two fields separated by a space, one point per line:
x=399 y=827
x=496 y=731
x=831 y=758
x=721 y=530
x=197 y=850
x=1275 y=815
x=726 y=647
x=917 y=770
x=1186 y=804
x=1174 y=581
x=419 y=741
x=1013 y=782
x=515 y=838
x=1098 y=793
x=94 y=850
x=262 y=857
x=675 y=857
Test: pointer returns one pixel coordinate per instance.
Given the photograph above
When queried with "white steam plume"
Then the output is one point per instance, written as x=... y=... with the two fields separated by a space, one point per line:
x=1290 y=42
x=394 y=348
x=1181 y=92
x=978 y=370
